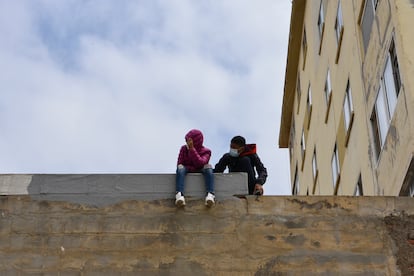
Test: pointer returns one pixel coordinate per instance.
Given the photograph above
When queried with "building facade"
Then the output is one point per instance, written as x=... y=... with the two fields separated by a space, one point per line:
x=348 y=104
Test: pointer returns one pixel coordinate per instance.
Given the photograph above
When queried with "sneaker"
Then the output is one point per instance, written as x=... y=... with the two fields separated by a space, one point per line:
x=179 y=199
x=209 y=199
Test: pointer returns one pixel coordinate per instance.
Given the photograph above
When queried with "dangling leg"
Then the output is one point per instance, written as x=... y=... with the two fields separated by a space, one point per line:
x=209 y=182
x=244 y=165
x=179 y=185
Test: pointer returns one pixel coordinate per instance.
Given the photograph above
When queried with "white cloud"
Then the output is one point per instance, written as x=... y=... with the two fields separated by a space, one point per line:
x=113 y=86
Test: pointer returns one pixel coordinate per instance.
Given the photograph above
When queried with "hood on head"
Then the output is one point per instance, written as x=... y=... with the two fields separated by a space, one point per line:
x=197 y=137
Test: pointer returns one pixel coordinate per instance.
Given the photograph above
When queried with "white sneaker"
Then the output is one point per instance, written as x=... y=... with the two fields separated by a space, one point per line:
x=179 y=199
x=209 y=199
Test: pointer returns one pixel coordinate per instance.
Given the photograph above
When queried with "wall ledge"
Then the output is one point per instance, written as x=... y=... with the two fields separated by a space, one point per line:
x=104 y=189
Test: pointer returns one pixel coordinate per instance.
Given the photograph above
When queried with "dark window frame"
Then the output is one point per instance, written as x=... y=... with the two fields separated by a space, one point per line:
x=339 y=30
x=309 y=106
x=328 y=94
x=304 y=47
x=348 y=109
x=315 y=170
x=295 y=187
x=303 y=147
x=358 y=187
x=298 y=92
x=335 y=177
x=321 y=24
x=407 y=189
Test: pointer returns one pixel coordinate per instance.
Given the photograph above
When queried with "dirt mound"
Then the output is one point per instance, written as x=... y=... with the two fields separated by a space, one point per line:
x=401 y=229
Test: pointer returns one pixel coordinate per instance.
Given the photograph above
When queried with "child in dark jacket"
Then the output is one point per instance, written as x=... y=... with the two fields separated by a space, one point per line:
x=242 y=157
x=194 y=157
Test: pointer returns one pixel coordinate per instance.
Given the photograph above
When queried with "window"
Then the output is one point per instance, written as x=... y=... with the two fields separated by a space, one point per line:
x=295 y=189
x=321 y=19
x=309 y=105
x=303 y=147
x=339 y=29
x=408 y=184
x=382 y=114
x=376 y=132
x=292 y=138
x=298 y=92
x=321 y=22
x=366 y=22
x=392 y=73
x=328 y=93
x=348 y=108
x=389 y=87
x=335 y=168
x=314 y=167
x=304 y=47
x=358 y=188
x=395 y=67
x=328 y=87
x=339 y=23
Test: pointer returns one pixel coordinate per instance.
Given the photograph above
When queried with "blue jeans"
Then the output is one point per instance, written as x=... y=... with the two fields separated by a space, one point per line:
x=208 y=179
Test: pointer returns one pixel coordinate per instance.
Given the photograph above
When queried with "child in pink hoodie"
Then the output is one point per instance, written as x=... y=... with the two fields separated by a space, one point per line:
x=194 y=157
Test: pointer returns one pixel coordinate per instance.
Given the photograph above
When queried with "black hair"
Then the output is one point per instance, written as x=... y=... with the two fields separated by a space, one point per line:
x=239 y=140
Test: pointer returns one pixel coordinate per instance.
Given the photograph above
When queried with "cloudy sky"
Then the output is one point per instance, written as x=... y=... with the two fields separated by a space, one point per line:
x=112 y=86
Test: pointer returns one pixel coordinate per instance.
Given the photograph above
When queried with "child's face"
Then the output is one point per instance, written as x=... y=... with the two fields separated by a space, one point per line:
x=237 y=147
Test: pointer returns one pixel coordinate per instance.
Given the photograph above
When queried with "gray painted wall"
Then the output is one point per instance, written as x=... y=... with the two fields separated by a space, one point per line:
x=104 y=189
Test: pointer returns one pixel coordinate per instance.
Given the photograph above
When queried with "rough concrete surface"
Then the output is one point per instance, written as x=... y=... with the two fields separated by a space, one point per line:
x=268 y=235
x=238 y=236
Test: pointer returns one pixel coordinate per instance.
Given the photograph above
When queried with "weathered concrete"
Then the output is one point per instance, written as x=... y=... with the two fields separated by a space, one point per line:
x=104 y=189
x=238 y=236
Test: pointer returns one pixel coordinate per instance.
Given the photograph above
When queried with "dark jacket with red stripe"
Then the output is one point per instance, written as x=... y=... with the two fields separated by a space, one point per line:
x=232 y=163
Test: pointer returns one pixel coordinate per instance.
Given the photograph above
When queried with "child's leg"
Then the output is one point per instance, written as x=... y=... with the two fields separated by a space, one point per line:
x=209 y=178
x=244 y=165
x=179 y=178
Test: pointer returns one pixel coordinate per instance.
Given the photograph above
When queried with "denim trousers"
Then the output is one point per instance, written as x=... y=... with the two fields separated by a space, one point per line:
x=182 y=172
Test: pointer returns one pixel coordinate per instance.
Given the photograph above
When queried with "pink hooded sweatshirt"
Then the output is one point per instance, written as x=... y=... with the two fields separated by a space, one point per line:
x=195 y=159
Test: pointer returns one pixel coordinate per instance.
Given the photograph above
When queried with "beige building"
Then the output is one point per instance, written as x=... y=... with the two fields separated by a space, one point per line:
x=348 y=106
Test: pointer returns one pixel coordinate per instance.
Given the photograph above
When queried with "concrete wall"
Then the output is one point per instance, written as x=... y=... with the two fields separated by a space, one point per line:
x=104 y=189
x=239 y=236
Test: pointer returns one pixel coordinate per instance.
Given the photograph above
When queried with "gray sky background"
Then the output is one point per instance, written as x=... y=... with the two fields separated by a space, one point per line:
x=112 y=86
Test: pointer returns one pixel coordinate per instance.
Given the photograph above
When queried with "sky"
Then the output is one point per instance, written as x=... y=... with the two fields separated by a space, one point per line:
x=113 y=86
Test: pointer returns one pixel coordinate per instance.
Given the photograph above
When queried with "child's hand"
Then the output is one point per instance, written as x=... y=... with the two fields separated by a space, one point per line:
x=190 y=143
x=258 y=189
